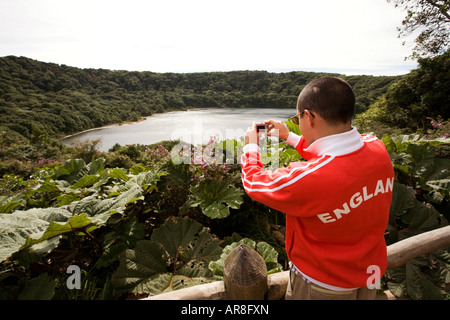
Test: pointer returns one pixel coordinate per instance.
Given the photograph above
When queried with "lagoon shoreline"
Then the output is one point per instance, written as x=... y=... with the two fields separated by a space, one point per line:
x=192 y=126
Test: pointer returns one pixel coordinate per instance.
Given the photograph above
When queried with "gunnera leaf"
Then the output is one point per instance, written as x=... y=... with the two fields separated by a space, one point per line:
x=177 y=256
x=99 y=210
x=137 y=265
x=420 y=278
x=71 y=171
x=55 y=229
x=39 y=288
x=216 y=198
x=17 y=227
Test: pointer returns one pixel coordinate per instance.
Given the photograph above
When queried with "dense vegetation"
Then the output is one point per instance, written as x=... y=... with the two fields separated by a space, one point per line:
x=414 y=103
x=157 y=226
x=111 y=213
x=62 y=100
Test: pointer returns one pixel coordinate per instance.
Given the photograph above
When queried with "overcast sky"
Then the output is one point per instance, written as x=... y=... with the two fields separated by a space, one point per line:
x=344 y=36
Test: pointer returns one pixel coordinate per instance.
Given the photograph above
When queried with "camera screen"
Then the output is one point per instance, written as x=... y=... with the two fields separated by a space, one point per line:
x=261 y=127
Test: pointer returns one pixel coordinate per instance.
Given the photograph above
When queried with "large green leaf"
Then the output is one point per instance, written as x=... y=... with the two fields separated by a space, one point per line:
x=216 y=198
x=124 y=234
x=145 y=180
x=176 y=256
x=421 y=176
x=416 y=164
x=71 y=171
x=23 y=229
x=186 y=240
x=118 y=173
x=10 y=203
x=99 y=209
x=137 y=265
x=39 y=288
x=96 y=166
x=411 y=280
x=55 y=229
x=293 y=127
x=73 y=181
x=403 y=198
x=86 y=181
x=17 y=227
x=423 y=217
x=427 y=167
x=409 y=216
x=417 y=278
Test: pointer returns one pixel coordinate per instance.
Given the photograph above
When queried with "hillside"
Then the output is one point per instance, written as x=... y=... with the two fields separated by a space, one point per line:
x=61 y=100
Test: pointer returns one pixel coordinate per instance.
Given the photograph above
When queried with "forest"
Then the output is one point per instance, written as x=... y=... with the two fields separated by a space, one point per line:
x=63 y=100
x=110 y=214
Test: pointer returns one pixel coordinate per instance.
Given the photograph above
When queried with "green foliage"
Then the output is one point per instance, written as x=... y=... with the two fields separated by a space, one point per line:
x=96 y=214
x=77 y=223
x=420 y=203
x=20 y=227
x=410 y=102
x=422 y=278
x=417 y=164
x=9 y=204
x=39 y=288
x=176 y=257
x=72 y=203
x=216 y=199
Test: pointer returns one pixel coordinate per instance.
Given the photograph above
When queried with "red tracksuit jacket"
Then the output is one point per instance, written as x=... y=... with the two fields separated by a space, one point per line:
x=336 y=204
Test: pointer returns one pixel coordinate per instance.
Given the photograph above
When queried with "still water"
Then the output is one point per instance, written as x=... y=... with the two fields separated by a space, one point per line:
x=193 y=126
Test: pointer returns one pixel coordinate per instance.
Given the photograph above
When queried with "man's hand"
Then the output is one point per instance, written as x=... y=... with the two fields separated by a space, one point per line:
x=277 y=129
x=252 y=135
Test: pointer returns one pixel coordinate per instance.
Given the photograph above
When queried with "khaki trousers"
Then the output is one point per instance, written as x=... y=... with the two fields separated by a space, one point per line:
x=299 y=289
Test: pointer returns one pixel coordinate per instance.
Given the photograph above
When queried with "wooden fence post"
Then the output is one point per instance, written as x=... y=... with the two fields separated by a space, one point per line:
x=245 y=274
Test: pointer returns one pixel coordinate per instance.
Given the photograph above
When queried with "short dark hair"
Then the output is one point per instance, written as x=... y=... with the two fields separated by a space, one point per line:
x=330 y=97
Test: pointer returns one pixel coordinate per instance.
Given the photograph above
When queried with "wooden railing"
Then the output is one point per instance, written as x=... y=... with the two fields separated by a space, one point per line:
x=254 y=284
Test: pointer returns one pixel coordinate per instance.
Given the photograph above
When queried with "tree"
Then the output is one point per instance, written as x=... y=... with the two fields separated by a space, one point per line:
x=409 y=103
x=432 y=19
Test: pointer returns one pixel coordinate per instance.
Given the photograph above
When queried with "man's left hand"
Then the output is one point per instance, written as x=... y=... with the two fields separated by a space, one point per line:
x=252 y=135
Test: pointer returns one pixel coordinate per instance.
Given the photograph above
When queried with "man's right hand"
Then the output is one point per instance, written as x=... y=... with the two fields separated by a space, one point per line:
x=277 y=129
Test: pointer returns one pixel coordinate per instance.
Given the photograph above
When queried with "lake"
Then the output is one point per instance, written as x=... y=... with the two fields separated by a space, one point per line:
x=192 y=126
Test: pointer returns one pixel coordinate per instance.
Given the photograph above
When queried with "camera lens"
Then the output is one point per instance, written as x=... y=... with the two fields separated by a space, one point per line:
x=261 y=127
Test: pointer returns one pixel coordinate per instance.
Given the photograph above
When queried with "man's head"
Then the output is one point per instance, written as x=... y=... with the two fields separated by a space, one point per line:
x=325 y=107
x=329 y=97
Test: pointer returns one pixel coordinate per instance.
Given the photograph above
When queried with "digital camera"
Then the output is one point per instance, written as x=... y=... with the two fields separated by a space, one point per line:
x=261 y=127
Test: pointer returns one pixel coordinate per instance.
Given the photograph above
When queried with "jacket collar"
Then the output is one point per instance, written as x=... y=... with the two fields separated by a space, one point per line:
x=337 y=144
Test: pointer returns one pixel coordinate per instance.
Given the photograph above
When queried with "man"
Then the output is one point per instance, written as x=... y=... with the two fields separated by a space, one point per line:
x=336 y=204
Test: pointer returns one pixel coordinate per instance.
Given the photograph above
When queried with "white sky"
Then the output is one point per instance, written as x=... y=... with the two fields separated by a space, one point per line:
x=344 y=36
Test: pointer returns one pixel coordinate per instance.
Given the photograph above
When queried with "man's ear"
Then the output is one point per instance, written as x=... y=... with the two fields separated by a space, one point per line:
x=311 y=119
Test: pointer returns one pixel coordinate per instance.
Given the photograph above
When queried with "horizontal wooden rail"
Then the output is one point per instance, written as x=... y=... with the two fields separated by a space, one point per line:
x=398 y=254
x=401 y=252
